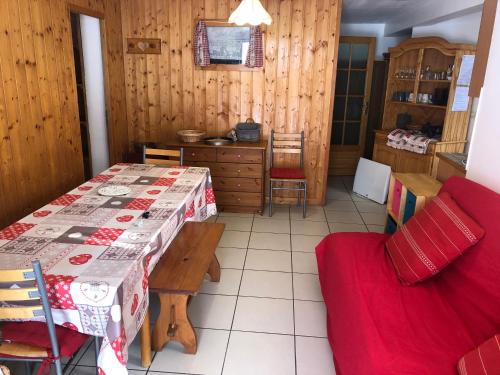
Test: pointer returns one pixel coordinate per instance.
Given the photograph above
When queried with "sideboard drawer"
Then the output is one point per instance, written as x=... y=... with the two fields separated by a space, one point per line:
x=227 y=155
x=238 y=199
x=253 y=185
x=199 y=154
x=201 y=164
x=236 y=170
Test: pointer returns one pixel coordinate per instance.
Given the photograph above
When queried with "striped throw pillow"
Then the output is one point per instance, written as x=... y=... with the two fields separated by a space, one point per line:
x=432 y=239
x=484 y=360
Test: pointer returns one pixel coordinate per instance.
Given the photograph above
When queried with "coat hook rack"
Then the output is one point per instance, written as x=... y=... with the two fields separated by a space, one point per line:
x=144 y=46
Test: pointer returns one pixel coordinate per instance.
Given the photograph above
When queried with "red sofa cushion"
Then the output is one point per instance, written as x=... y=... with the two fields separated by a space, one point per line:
x=485 y=359
x=375 y=324
x=288 y=173
x=433 y=238
x=37 y=334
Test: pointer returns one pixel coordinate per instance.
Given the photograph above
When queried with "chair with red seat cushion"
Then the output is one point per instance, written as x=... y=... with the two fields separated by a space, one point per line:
x=287 y=173
x=288 y=144
x=24 y=298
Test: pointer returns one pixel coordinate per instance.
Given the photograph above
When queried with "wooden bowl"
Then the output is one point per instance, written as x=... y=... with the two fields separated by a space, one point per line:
x=190 y=136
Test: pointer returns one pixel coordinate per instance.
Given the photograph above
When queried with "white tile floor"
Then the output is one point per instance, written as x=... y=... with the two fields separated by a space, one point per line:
x=266 y=316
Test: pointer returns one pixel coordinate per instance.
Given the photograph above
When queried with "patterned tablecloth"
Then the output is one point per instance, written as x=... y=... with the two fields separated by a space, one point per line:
x=97 y=251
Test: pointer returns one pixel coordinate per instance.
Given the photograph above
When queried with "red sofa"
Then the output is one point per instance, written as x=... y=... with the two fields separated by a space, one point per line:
x=377 y=326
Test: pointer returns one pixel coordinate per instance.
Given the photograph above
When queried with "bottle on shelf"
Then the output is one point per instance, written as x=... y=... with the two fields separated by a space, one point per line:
x=449 y=72
x=427 y=74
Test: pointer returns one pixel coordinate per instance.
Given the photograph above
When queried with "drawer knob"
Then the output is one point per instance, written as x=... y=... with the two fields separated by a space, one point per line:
x=239 y=185
x=193 y=154
x=239 y=155
x=239 y=170
x=239 y=199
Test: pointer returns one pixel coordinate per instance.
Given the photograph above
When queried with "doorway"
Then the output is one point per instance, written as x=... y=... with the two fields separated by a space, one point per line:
x=89 y=73
x=352 y=94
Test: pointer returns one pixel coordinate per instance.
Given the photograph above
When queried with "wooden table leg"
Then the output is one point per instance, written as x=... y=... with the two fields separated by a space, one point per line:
x=214 y=269
x=146 y=341
x=173 y=323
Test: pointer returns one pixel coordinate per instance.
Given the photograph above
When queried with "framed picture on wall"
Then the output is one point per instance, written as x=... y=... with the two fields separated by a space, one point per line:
x=228 y=45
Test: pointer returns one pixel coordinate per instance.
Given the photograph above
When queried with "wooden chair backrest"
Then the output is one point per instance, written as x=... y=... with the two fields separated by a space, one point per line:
x=282 y=143
x=19 y=286
x=24 y=296
x=163 y=157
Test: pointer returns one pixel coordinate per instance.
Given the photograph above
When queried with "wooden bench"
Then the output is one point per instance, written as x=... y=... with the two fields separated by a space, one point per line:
x=179 y=275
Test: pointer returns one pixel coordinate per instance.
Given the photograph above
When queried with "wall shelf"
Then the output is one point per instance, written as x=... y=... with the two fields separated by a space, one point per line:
x=435 y=81
x=423 y=105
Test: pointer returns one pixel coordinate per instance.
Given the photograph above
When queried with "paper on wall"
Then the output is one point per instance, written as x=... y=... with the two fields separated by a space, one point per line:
x=465 y=75
x=461 y=100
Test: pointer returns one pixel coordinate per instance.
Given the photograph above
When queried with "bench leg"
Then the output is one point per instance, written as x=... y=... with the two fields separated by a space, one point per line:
x=173 y=323
x=146 y=341
x=214 y=269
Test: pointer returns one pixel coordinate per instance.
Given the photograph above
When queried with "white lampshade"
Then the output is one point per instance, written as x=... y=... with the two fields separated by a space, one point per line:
x=250 y=12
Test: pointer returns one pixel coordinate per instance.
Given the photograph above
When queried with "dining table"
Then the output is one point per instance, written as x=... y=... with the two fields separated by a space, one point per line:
x=98 y=244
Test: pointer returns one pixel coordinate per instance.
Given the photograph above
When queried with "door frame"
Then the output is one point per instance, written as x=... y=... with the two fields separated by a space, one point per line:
x=371 y=41
x=74 y=8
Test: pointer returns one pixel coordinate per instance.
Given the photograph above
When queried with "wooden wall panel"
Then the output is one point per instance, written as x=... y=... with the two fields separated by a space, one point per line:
x=40 y=147
x=292 y=93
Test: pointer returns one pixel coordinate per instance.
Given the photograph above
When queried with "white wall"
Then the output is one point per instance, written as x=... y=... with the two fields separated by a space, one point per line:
x=94 y=86
x=372 y=29
x=463 y=29
x=426 y=12
x=484 y=155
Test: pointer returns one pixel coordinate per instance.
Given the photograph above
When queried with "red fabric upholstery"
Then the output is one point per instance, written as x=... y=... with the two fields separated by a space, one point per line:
x=485 y=359
x=432 y=239
x=288 y=173
x=37 y=334
x=376 y=325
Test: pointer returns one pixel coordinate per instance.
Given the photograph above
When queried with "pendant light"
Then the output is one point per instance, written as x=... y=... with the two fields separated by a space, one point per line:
x=250 y=12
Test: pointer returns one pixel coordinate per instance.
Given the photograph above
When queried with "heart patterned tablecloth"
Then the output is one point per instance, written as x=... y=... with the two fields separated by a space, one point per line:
x=97 y=251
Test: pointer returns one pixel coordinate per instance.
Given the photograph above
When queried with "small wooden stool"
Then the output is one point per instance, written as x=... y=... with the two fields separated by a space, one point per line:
x=179 y=275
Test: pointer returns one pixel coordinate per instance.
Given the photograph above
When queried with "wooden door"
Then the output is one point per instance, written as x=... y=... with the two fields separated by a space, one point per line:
x=352 y=94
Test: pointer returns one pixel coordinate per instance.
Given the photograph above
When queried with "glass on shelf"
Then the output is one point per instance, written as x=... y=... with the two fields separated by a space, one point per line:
x=402 y=96
x=405 y=73
x=428 y=74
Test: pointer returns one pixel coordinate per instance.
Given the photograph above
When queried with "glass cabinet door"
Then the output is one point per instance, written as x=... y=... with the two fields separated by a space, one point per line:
x=352 y=92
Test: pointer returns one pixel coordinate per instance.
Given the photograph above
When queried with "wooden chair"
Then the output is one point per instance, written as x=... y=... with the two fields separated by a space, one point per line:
x=162 y=157
x=288 y=144
x=23 y=297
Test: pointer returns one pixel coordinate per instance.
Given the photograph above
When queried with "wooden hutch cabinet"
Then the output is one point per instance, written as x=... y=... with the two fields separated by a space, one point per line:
x=413 y=70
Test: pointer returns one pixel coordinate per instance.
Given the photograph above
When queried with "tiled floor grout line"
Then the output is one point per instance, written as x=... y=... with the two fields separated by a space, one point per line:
x=237 y=297
x=293 y=296
x=275 y=298
x=275 y=271
x=248 y=331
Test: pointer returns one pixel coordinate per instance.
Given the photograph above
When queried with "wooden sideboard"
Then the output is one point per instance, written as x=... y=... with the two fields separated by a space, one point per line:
x=238 y=172
x=401 y=160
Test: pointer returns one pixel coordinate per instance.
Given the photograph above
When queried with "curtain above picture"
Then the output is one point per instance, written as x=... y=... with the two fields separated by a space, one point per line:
x=255 y=56
x=200 y=45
